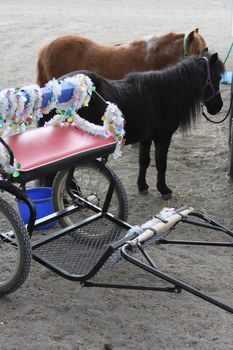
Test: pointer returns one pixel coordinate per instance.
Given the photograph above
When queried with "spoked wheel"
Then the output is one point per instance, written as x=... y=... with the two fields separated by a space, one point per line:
x=90 y=181
x=15 y=250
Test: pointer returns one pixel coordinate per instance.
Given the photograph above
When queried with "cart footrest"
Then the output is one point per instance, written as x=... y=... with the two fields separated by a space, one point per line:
x=81 y=252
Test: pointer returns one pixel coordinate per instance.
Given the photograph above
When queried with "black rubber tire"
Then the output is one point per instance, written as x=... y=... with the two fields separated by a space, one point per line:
x=230 y=171
x=15 y=260
x=90 y=175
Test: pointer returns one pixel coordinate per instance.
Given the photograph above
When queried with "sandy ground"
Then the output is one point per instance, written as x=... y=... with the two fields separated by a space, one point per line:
x=51 y=313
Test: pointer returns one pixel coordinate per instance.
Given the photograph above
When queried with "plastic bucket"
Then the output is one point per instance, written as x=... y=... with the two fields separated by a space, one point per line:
x=42 y=199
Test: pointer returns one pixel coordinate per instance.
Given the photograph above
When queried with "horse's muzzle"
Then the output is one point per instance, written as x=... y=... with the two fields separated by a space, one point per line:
x=214 y=108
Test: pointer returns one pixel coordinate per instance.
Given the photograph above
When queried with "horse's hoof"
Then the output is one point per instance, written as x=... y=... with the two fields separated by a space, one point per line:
x=144 y=191
x=166 y=196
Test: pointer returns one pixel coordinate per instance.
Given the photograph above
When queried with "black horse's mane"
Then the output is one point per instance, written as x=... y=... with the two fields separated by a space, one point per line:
x=176 y=89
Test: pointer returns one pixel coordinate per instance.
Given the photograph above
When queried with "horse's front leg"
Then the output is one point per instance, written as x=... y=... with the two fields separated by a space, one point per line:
x=144 y=162
x=161 y=151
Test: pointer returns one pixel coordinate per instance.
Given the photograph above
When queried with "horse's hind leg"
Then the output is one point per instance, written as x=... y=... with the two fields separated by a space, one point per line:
x=144 y=162
x=161 y=151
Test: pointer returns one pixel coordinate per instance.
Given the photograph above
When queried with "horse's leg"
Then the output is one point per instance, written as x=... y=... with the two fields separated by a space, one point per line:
x=161 y=151
x=144 y=162
x=46 y=117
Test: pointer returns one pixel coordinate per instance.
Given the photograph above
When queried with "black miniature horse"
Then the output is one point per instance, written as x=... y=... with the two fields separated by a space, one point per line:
x=155 y=104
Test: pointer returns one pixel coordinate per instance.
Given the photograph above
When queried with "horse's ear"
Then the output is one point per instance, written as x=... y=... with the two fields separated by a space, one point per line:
x=192 y=33
x=213 y=58
x=191 y=36
x=204 y=52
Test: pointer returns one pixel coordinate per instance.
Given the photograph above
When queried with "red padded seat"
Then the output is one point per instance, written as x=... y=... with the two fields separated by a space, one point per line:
x=49 y=149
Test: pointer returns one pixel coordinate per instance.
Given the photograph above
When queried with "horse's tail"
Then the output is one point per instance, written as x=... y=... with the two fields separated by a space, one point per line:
x=41 y=78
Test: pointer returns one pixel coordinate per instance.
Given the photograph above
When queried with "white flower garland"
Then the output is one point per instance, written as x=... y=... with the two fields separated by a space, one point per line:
x=113 y=125
x=20 y=108
x=82 y=92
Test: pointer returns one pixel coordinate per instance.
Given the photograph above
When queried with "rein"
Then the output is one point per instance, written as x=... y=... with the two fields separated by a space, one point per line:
x=219 y=121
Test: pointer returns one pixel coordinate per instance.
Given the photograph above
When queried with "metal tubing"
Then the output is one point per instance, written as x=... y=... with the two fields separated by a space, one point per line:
x=173 y=280
x=213 y=223
x=219 y=227
x=147 y=257
x=130 y=286
x=203 y=243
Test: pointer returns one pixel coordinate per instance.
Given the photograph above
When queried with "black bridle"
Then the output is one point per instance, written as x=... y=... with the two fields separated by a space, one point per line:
x=209 y=83
x=213 y=95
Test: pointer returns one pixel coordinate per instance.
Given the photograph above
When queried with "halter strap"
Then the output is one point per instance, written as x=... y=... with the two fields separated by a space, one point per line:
x=185 y=46
x=209 y=82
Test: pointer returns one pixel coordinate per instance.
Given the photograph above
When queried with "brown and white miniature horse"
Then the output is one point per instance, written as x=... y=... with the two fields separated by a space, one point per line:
x=73 y=52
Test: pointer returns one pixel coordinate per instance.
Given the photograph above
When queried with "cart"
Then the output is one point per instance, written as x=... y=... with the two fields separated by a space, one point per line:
x=91 y=209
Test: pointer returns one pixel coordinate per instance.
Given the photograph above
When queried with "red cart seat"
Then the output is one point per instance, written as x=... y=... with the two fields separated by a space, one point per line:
x=49 y=149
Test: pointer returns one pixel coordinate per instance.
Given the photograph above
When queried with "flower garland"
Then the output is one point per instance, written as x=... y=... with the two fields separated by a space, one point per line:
x=17 y=108
x=83 y=88
x=5 y=166
x=113 y=124
x=20 y=108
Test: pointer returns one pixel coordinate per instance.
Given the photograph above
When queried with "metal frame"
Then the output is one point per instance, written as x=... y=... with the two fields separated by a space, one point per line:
x=150 y=266
x=174 y=285
x=123 y=245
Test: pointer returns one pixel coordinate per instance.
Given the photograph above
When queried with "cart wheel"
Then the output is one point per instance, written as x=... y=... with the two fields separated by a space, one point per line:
x=91 y=179
x=231 y=152
x=15 y=250
x=231 y=139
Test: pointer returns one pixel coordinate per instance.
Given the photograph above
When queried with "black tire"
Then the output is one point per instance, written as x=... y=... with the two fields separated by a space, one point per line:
x=230 y=172
x=15 y=258
x=92 y=178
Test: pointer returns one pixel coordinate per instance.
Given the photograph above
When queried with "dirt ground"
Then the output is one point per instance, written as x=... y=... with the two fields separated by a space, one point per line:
x=51 y=313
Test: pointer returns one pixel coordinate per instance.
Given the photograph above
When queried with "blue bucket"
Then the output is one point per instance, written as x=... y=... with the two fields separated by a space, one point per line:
x=42 y=199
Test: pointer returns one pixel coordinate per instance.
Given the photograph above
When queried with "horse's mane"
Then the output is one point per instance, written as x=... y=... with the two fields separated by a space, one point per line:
x=177 y=89
x=173 y=93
